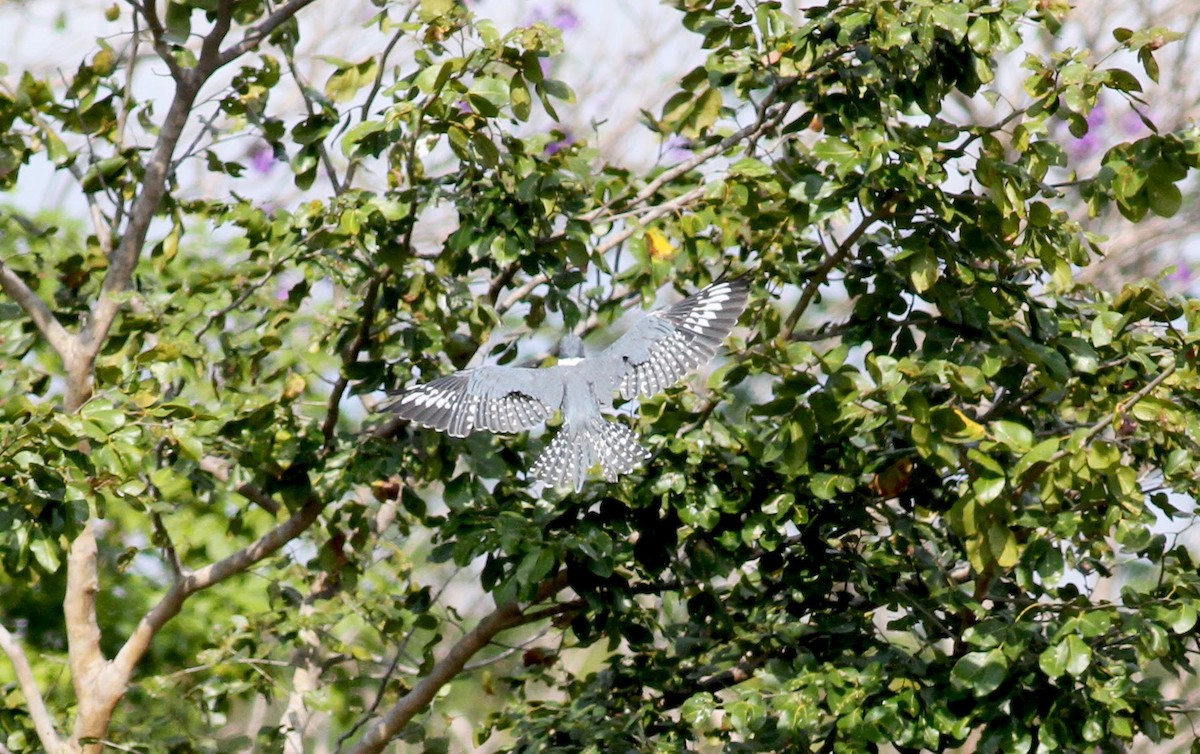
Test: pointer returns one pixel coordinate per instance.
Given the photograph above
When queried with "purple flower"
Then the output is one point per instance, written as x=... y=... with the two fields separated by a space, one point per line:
x=555 y=147
x=1132 y=125
x=677 y=149
x=1182 y=274
x=563 y=16
x=262 y=159
x=1088 y=144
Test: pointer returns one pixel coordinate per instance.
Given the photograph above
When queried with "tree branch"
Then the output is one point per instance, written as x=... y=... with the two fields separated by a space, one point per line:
x=822 y=273
x=154 y=183
x=349 y=357
x=149 y=11
x=124 y=258
x=760 y=124
x=214 y=573
x=260 y=32
x=1035 y=471
x=59 y=339
x=42 y=721
x=650 y=215
x=83 y=635
x=506 y=616
x=220 y=471
x=298 y=717
x=100 y=684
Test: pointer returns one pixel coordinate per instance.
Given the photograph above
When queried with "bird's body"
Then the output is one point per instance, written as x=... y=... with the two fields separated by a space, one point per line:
x=654 y=354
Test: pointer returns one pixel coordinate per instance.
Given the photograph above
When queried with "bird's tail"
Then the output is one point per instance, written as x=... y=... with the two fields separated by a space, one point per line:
x=576 y=449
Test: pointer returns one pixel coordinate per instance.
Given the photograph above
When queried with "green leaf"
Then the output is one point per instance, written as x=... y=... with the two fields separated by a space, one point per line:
x=1069 y=655
x=518 y=95
x=345 y=82
x=1016 y=437
x=430 y=10
x=1165 y=199
x=980 y=672
x=923 y=270
x=953 y=17
x=698 y=710
x=46 y=553
x=356 y=134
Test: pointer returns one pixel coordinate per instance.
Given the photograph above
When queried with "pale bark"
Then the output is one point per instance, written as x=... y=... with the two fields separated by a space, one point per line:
x=49 y=326
x=94 y=701
x=100 y=683
x=42 y=722
x=298 y=717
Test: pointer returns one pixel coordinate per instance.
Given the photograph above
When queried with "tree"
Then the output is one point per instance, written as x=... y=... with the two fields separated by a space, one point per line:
x=950 y=517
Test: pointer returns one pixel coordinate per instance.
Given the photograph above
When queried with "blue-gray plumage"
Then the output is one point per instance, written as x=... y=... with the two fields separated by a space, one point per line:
x=654 y=354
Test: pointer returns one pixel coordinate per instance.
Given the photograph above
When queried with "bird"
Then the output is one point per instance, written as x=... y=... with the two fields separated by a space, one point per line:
x=655 y=353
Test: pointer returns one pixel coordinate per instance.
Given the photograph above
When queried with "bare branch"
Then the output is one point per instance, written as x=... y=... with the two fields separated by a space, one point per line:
x=298 y=717
x=171 y=603
x=822 y=273
x=1036 y=470
x=261 y=31
x=349 y=357
x=521 y=292
x=210 y=49
x=168 y=546
x=125 y=255
x=42 y=721
x=764 y=121
x=500 y=281
x=149 y=11
x=378 y=84
x=60 y=340
x=217 y=317
x=506 y=616
x=100 y=684
x=220 y=470
x=652 y=214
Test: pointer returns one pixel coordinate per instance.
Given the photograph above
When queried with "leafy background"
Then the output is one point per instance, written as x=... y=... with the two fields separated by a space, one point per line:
x=938 y=495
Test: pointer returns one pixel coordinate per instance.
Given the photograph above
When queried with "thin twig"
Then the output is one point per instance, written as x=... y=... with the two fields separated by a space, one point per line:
x=333 y=411
x=822 y=273
x=1036 y=470
x=220 y=314
x=761 y=123
x=219 y=468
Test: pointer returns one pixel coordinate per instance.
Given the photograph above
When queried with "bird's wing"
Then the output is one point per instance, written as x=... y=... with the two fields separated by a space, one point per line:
x=669 y=343
x=492 y=398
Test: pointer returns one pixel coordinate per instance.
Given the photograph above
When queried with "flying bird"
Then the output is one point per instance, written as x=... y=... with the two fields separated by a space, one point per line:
x=658 y=351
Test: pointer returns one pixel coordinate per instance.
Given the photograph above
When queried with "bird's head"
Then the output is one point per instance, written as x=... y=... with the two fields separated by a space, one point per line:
x=570 y=349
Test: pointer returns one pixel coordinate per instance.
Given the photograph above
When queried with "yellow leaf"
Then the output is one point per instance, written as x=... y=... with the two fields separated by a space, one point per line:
x=293 y=387
x=970 y=426
x=659 y=246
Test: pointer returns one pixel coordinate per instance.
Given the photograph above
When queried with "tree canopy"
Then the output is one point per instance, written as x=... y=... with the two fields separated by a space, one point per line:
x=935 y=494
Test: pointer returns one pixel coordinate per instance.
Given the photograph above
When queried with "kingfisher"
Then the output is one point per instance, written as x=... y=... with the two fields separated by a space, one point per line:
x=658 y=351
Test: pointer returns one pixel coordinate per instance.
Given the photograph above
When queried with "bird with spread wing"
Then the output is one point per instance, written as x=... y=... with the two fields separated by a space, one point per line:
x=658 y=351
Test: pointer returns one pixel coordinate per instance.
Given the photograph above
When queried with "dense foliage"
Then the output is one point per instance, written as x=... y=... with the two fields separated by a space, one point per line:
x=932 y=496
